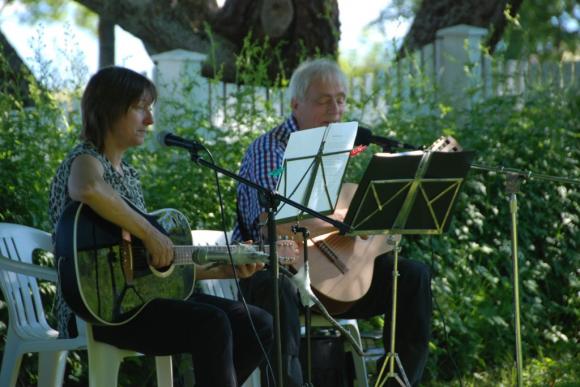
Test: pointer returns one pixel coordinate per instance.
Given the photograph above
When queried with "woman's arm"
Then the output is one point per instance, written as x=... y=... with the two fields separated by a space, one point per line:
x=86 y=184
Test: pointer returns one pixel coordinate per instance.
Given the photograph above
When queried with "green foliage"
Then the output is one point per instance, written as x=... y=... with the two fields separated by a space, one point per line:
x=538 y=372
x=31 y=141
x=539 y=133
x=472 y=265
x=547 y=28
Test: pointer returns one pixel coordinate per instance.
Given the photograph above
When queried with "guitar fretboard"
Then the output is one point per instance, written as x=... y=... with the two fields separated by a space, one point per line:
x=187 y=255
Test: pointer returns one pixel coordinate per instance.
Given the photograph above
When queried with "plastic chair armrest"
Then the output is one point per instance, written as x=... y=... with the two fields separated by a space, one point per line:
x=43 y=272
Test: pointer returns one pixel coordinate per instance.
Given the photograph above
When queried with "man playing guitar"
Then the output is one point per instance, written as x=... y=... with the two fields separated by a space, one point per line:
x=318 y=91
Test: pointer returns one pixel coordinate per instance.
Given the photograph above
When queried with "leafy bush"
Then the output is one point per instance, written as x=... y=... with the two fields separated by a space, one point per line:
x=538 y=135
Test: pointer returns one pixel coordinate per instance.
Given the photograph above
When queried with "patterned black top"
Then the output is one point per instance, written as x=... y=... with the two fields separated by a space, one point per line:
x=127 y=184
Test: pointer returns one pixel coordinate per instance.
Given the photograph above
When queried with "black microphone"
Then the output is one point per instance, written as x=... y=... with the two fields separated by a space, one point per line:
x=365 y=136
x=169 y=139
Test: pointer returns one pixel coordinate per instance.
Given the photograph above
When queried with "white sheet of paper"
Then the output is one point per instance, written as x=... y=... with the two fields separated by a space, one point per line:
x=299 y=157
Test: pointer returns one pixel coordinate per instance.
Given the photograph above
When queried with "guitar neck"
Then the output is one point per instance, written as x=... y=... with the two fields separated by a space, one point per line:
x=201 y=255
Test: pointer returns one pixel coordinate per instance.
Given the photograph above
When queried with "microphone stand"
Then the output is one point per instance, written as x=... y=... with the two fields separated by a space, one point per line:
x=272 y=198
x=307 y=314
x=514 y=177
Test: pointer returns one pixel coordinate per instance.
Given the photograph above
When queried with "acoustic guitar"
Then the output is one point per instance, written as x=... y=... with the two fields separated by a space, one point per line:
x=104 y=271
x=341 y=267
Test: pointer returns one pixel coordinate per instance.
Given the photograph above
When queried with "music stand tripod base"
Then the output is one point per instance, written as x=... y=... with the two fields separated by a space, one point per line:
x=392 y=356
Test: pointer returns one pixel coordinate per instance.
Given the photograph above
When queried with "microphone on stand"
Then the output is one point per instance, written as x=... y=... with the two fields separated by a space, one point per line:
x=365 y=136
x=169 y=139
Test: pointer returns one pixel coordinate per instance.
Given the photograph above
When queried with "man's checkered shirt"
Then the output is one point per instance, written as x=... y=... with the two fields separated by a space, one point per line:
x=263 y=156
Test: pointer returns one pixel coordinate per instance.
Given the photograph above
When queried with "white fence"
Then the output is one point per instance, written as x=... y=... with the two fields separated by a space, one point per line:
x=454 y=70
x=459 y=71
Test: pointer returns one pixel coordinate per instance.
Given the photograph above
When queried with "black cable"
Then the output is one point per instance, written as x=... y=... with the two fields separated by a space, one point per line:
x=241 y=295
x=458 y=372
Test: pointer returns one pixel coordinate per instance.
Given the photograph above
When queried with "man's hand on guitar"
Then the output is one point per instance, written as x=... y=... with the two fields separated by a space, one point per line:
x=285 y=249
x=243 y=271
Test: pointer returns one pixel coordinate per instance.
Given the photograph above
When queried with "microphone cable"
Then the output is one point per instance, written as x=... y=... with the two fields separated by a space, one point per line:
x=236 y=278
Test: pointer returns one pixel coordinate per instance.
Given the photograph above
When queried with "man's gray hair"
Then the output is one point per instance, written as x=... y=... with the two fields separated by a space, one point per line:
x=311 y=70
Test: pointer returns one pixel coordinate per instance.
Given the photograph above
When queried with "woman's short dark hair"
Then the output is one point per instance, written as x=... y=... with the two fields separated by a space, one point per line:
x=107 y=97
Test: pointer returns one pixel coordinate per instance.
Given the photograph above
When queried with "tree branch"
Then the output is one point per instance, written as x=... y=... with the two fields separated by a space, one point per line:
x=298 y=27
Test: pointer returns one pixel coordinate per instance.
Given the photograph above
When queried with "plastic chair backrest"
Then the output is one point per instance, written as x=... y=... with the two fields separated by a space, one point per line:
x=28 y=329
x=25 y=306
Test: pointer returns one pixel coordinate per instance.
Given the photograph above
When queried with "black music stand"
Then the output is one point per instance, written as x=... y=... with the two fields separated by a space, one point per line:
x=406 y=193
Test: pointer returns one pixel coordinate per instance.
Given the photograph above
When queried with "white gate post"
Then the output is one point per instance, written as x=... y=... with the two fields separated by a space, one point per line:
x=459 y=62
x=180 y=85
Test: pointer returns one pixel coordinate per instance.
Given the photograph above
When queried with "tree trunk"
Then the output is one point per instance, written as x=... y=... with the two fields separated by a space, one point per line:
x=106 y=41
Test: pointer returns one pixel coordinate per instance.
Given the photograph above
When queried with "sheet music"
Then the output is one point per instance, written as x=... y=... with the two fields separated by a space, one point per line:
x=334 y=143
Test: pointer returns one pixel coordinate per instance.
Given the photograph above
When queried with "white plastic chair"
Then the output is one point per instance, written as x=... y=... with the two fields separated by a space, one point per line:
x=228 y=289
x=28 y=330
x=105 y=360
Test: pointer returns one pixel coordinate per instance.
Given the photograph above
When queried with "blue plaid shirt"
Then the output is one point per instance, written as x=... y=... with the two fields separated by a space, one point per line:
x=263 y=156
